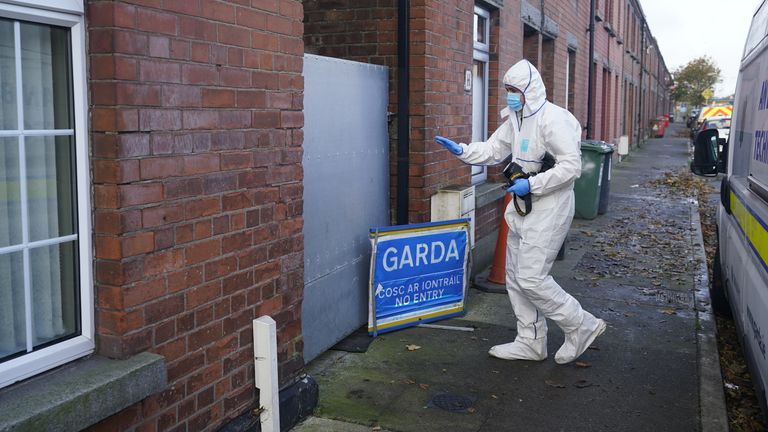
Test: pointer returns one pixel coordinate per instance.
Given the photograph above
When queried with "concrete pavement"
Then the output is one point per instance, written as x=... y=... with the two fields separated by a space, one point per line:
x=640 y=267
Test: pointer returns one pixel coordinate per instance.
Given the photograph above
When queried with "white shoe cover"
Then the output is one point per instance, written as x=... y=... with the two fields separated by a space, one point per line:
x=577 y=341
x=521 y=349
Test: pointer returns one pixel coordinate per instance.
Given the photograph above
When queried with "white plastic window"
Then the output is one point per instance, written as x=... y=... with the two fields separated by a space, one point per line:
x=46 y=295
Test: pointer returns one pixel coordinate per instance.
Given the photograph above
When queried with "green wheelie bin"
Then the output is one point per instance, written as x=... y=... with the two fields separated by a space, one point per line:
x=587 y=186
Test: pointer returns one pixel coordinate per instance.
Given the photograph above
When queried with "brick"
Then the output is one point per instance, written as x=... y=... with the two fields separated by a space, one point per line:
x=233 y=35
x=162 y=215
x=105 y=196
x=138 y=244
x=160 y=167
x=201 y=295
x=136 y=194
x=102 y=67
x=220 y=224
x=231 y=119
x=200 y=52
x=185 y=278
x=231 y=77
x=154 y=21
x=103 y=119
x=106 y=222
x=137 y=94
x=144 y=291
x=199 y=74
x=108 y=247
x=179 y=49
x=219 y=182
x=101 y=41
x=219 y=268
x=201 y=120
x=159 y=119
x=203 y=378
x=102 y=93
x=203 y=251
x=186 y=7
x=163 y=262
x=128 y=42
x=203 y=229
x=159 y=46
x=200 y=164
x=164 y=308
x=159 y=71
x=183 y=188
x=218 y=98
x=183 y=367
x=251 y=99
x=218 y=11
x=250 y=18
x=162 y=143
x=118 y=322
x=132 y=145
x=109 y=297
x=181 y=96
x=126 y=68
x=291 y=119
x=127 y=120
x=265 y=119
x=199 y=29
x=235 y=161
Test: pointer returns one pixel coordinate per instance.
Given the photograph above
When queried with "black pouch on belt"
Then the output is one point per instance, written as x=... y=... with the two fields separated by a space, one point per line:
x=514 y=172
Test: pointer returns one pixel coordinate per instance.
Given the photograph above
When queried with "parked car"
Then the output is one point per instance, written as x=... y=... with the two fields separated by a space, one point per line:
x=740 y=268
x=722 y=124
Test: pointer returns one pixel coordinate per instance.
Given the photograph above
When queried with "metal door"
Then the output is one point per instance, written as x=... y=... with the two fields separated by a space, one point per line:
x=346 y=192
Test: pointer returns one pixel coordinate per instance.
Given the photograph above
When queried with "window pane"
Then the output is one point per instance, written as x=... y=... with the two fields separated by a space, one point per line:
x=12 y=326
x=54 y=297
x=47 y=79
x=50 y=184
x=481 y=28
x=10 y=193
x=8 y=109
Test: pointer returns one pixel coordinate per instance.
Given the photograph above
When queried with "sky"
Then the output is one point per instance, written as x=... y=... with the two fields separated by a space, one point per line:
x=688 y=29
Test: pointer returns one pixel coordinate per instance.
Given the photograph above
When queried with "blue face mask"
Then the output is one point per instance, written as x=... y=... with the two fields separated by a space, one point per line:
x=514 y=102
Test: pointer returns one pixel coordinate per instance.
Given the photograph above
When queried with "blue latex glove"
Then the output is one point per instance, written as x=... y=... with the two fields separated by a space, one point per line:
x=450 y=145
x=520 y=187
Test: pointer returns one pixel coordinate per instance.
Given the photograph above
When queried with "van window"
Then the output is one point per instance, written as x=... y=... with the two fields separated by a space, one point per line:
x=757 y=29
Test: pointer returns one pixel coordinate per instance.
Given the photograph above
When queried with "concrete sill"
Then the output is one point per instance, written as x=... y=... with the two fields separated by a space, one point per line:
x=81 y=393
x=487 y=193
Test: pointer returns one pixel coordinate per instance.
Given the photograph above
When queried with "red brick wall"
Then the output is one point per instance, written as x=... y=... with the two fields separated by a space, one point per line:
x=196 y=151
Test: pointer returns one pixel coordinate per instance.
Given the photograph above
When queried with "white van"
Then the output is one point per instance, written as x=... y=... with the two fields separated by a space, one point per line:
x=741 y=262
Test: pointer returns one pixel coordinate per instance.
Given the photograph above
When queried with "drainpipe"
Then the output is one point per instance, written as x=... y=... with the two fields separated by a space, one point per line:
x=403 y=114
x=591 y=77
x=640 y=126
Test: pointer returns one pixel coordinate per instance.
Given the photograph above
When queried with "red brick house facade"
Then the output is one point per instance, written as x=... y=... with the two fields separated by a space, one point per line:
x=193 y=151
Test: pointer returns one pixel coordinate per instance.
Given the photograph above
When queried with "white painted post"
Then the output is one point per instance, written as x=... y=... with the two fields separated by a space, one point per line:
x=265 y=368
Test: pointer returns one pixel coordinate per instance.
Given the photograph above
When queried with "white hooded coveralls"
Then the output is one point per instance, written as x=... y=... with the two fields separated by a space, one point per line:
x=534 y=240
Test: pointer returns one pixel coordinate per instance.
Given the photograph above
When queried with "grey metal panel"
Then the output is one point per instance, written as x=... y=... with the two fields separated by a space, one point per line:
x=346 y=192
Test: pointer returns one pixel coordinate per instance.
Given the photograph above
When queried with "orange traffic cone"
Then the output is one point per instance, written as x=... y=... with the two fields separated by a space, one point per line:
x=498 y=272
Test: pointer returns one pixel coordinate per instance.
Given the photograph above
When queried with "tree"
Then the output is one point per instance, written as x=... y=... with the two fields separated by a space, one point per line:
x=693 y=79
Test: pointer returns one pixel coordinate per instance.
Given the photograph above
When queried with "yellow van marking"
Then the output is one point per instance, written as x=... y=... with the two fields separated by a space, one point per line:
x=752 y=227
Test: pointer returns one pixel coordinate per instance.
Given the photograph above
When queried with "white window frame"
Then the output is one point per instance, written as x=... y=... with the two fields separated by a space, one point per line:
x=70 y=14
x=480 y=53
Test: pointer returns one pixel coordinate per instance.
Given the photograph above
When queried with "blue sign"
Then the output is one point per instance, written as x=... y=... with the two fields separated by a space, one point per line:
x=419 y=274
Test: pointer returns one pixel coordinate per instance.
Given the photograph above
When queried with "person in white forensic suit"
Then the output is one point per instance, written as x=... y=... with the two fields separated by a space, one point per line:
x=533 y=127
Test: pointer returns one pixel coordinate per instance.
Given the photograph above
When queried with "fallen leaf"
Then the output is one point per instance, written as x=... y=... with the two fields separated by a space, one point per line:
x=494 y=396
x=553 y=384
x=582 y=384
x=669 y=312
x=376 y=428
x=408 y=381
x=412 y=347
x=471 y=410
x=424 y=386
x=583 y=364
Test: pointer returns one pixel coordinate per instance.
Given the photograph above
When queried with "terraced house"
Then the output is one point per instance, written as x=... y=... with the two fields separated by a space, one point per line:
x=171 y=170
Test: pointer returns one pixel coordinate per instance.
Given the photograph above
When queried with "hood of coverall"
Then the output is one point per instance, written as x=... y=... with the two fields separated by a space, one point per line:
x=525 y=77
